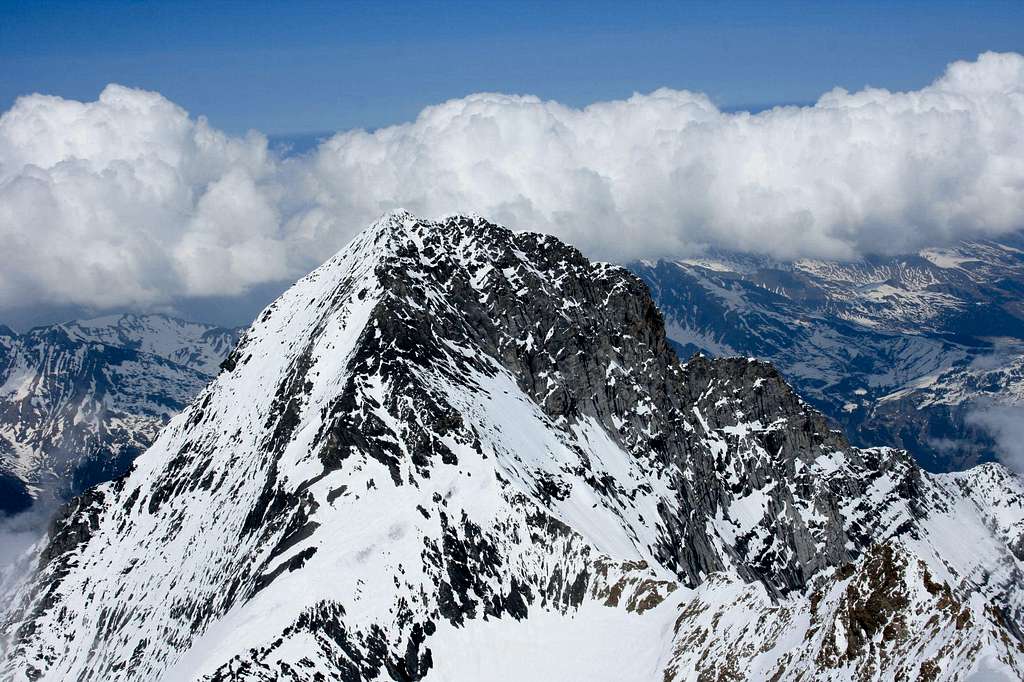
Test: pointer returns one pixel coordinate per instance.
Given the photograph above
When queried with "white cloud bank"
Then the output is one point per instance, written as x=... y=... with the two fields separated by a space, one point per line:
x=128 y=201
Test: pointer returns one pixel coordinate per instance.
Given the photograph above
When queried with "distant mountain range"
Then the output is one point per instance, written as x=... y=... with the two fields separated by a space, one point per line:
x=897 y=351
x=79 y=401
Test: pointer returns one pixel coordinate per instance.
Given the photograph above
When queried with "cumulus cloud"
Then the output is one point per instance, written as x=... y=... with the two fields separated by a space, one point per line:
x=1005 y=424
x=18 y=534
x=130 y=201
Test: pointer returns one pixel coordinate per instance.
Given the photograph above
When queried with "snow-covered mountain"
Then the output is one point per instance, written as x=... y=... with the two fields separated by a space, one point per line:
x=864 y=341
x=453 y=452
x=78 y=401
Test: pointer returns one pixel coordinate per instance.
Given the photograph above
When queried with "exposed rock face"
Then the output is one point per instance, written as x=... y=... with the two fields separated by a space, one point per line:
x=79 y=401
x=451 y=435
x=897 y=351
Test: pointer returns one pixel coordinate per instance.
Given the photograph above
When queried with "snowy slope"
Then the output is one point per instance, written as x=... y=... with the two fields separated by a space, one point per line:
x=864 y=341
x=453 y=452
x=78 y=401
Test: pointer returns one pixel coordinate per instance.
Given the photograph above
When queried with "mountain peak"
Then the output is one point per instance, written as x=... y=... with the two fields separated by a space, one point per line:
x=451 y=428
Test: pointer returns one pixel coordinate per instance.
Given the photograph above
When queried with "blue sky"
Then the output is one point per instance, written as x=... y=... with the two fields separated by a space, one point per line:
x=286 y=68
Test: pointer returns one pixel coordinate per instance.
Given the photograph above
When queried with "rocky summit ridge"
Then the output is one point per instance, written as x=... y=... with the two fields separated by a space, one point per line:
x=458 y=452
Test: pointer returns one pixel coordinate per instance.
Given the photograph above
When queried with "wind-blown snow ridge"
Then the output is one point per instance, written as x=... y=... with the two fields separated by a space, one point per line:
x=451 y=440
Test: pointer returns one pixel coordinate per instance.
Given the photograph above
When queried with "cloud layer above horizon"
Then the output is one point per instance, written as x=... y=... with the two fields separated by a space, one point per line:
x=129 y=201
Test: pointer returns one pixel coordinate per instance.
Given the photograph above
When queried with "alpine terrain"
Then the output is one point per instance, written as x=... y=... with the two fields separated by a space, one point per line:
x=79 y=401
x=455 y=452
x=898 y=351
